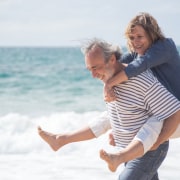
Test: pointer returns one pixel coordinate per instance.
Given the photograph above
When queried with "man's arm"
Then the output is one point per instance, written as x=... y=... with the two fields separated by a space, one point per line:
x=135 y=149
x=159 y=53
x=149 y=133
x=169 y=127
x=154 y=132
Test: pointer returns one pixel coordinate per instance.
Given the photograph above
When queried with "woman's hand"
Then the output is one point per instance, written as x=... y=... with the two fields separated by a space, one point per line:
x=108 y=94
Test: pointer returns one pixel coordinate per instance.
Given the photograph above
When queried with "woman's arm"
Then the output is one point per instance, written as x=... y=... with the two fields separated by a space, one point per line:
x=158 y=53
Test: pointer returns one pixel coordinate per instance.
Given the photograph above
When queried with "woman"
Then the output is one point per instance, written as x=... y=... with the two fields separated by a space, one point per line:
x=149 y=49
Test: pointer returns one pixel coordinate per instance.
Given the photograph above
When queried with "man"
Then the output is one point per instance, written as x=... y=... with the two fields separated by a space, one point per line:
x=141 y=100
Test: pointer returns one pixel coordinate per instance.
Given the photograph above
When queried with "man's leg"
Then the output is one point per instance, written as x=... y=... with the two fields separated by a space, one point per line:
x=155 y=177
x=145 y=168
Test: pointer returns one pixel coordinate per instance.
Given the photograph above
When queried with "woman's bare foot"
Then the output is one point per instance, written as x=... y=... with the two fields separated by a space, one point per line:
x=111 y=159
x=55 y=141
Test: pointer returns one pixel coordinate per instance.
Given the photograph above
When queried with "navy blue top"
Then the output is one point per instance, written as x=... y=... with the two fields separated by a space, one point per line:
x=163 y=59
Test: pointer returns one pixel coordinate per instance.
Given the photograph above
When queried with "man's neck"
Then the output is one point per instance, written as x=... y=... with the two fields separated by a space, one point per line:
x=119 y=67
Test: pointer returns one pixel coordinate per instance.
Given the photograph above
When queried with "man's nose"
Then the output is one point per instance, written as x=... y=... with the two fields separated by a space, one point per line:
x=94 y=73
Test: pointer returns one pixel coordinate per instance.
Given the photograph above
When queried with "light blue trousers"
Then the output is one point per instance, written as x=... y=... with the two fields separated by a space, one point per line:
x=145 y=168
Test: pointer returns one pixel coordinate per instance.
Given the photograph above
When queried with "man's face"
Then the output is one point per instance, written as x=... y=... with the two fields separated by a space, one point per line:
x=96 y=64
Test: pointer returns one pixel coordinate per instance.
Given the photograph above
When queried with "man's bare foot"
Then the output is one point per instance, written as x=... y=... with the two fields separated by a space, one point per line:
x=55 y=141
x=111 y=159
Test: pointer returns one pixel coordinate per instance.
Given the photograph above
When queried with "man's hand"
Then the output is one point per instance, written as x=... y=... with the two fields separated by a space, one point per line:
x=111 y=140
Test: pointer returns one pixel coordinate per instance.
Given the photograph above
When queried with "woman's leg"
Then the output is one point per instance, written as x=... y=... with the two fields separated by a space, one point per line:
x=145 y=168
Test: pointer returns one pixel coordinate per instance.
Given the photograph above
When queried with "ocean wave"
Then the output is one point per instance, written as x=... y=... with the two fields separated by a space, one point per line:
x=19 y=132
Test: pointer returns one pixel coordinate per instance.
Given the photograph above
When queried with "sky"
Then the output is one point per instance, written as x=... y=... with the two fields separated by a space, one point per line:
x=68 y=22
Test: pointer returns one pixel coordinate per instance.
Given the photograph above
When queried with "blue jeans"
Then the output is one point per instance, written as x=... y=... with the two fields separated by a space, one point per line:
x=145 y=168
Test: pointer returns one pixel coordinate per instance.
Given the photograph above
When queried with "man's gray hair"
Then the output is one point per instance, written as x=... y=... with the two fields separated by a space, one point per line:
x=107 y=49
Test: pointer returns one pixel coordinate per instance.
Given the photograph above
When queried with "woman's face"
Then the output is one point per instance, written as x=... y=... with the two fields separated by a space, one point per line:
x=139 y=40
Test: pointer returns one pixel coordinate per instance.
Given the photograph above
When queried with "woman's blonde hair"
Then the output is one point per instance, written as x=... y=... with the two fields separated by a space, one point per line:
x=149 y=24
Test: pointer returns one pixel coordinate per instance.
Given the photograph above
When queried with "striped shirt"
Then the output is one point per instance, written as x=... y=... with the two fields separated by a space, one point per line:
x=138 y=99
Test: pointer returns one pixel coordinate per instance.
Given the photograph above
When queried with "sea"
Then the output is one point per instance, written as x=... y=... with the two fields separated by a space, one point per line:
x=51 y=87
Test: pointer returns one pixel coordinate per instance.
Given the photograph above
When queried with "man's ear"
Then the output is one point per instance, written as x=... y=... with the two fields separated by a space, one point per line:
x=113 y=59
